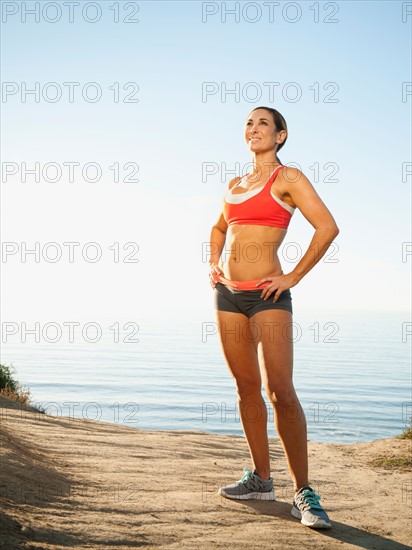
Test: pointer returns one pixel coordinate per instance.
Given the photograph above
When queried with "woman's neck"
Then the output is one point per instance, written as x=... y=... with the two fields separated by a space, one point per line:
x=263 y=167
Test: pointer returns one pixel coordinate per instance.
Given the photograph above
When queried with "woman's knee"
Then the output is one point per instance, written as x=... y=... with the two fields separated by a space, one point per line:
x=249 y=390
x=286 y=403
x=281 y=394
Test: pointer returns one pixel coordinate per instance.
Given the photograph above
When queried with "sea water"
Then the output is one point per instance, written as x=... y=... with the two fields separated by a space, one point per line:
x=352 y=373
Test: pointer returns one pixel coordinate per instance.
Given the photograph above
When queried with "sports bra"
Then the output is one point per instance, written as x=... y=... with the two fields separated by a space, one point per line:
x=257 y=207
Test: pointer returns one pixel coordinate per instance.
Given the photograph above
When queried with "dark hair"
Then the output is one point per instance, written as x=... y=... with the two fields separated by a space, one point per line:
x=280 y=124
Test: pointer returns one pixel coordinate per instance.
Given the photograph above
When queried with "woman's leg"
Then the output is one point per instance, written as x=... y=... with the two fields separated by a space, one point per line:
x=240 y=351
x=275 y=353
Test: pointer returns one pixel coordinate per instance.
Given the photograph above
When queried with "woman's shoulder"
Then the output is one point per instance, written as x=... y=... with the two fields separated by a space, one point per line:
x=290 y=176
x=291 y=172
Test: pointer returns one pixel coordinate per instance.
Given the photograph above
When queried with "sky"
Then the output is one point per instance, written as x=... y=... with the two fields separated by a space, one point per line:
x=134 y=156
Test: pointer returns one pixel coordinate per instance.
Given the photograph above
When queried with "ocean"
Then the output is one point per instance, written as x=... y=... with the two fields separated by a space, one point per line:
x=352 y=373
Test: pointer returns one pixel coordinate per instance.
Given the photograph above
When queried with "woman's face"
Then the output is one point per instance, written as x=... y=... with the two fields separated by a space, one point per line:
x=260 y=131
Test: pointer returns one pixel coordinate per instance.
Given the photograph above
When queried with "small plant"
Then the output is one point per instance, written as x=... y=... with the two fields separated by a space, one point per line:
x=407 y=432
x=393 y=462
x=6 y=378
x=9 y=387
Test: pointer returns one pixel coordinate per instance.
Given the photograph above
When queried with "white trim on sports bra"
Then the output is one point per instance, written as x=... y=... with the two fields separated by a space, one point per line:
x=242 y=197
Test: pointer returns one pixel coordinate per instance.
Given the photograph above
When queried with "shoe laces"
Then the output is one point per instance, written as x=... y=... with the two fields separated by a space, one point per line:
x=248 y=474
x=308 y=499
x=249 y=478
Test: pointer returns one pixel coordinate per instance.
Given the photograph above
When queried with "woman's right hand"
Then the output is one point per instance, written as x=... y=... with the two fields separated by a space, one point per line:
x=214 y=269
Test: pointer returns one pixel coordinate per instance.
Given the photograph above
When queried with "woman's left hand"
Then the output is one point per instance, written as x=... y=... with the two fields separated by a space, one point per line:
x=278 y=283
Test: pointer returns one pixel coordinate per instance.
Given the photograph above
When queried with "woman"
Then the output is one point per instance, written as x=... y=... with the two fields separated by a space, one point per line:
x=254 y=306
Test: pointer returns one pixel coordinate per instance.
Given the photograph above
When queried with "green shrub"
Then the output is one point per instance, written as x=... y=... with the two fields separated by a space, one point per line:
x=407 y=432
x=6 y=378
x=9 y=387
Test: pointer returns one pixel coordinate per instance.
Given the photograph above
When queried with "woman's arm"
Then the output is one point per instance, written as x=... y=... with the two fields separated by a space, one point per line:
x=218 y=234
x=305 y=197
x=217 y=242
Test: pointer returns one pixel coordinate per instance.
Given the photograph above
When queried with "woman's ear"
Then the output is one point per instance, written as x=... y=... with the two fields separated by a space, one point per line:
x=281 y=137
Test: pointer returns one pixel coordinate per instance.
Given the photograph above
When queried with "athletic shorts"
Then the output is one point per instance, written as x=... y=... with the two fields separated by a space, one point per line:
x=249 y=302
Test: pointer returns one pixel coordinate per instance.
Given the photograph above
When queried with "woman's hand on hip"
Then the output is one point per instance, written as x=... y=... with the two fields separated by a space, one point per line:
x=279 y=283
x=215 y=269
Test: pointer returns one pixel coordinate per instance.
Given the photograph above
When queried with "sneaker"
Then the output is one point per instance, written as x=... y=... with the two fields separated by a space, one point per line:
x=306 y=507
x=251 y=486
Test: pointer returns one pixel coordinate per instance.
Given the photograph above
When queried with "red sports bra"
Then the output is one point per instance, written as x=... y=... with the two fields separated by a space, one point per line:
x=257 y=207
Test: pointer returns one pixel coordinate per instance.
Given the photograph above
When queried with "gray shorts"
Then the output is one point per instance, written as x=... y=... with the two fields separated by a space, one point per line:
x=249 y=302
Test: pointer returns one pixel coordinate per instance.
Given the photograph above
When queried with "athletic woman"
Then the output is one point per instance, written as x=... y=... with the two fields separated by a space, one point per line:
x=253 y=306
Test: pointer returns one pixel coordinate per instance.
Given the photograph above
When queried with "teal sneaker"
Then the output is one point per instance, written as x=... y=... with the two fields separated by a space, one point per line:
x=306 y=507
x=251 y=486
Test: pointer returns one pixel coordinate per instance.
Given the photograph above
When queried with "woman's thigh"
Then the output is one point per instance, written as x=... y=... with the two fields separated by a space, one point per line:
x=240 y=350
x=273 y=332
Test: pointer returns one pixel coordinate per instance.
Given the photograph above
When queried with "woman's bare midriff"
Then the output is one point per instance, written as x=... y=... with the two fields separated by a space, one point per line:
x=250 y=252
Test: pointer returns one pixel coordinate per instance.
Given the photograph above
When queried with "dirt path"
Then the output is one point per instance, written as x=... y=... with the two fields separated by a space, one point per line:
x=89 y=484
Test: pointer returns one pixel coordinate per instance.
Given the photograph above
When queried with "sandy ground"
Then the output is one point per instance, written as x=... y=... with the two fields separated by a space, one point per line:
x=73 y=483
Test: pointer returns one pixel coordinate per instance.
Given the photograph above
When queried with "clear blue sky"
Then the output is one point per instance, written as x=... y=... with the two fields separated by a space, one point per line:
x=173 y=132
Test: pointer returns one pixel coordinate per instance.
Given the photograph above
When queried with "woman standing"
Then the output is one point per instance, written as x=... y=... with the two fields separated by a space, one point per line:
x=254 y=306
